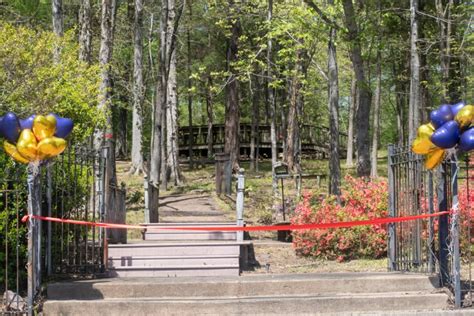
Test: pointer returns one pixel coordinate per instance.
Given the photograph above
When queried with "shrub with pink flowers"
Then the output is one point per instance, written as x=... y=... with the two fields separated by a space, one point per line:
x=361 y=199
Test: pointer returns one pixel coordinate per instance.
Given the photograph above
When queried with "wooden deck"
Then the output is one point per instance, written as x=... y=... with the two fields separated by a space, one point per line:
x=315 y=140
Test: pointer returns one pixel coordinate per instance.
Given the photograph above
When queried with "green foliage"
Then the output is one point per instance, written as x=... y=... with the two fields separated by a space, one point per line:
x=33 y=82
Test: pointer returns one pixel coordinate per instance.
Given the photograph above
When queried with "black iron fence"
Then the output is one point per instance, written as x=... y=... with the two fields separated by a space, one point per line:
x=70 y=187
x=443 y=244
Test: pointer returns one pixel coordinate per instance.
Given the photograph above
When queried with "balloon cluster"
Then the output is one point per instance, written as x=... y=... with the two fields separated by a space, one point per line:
x=36 y=138
x=450 y=125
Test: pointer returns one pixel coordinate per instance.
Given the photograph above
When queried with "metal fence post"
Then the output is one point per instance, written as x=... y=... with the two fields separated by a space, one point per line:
x=240 y=203
x=443 y=230
x=49 y=200
x=431 y=245
x=456 y=261
x=392 y=211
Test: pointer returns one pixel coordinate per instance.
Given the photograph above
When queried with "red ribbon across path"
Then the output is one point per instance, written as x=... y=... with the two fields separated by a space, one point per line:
x=376 y=221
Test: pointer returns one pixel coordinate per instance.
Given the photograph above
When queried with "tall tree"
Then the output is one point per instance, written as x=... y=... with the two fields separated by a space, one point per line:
x=363 y=92
x=333 y=105
x=270 y=101
x=58 y=24
x=255 y=93
x=378 y=90
x=138 y=90
x=106 y=137
x=232 y=109
x=190 y=84
x=210 y=115
x=58 y=19
x=296 y=100
x=414 y=101
x=85 y=34
x=350 y=125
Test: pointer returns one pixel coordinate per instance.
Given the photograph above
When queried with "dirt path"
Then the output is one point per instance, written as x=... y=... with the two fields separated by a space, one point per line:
x=190 y=208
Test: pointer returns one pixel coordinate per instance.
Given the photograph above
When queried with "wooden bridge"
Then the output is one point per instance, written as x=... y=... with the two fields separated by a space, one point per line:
x=314 y=140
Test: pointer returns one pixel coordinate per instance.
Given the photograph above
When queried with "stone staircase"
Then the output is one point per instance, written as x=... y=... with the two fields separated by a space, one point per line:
x=178 y=253
x=329 y=293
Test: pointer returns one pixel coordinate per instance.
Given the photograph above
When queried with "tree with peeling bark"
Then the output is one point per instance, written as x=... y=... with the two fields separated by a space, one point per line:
x=138 y=90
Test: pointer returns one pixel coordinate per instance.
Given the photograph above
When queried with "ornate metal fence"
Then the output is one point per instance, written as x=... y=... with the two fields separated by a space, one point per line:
x=440 y=245
x=70 y=187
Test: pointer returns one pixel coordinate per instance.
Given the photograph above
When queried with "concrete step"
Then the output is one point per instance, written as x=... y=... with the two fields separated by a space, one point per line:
x=174 y=261
x=249 y=286
x=173 y=249
x=152 y=233
x=188 y=235
x=175 y=272
x=300 y=304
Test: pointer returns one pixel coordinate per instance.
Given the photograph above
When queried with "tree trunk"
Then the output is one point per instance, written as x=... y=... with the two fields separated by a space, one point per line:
x=210 y=116
x=293 y=119
x=378 y=88
x=172 y=123
x=106 y=138
x=414 y=101
x=333 y=104
x=363 y=95
x=138 y=90
x=189 y=81
x=85 y=34
x=232 y=113
x=255 y=93
x=350 y=128
x=58 y=27
x=271 y=100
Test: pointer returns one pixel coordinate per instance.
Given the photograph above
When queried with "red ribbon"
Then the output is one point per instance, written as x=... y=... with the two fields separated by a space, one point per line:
x=376 y=221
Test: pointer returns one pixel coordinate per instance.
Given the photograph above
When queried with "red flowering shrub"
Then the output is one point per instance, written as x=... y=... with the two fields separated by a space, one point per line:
x=364 y=200
x=360 y=200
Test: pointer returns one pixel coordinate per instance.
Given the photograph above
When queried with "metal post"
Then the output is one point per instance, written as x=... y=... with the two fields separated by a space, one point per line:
x=49 y=194
x=443 y=227
x=240 y=203
x=392 y=212
x=283 y=199
x=456 y=262
x=147 y=202
x=431 y=255
x=33 y=237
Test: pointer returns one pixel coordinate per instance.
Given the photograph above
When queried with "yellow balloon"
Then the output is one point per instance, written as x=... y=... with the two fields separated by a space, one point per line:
x=465 y=116
x=51 y=147
x=434 y=158
x=422 y=145
x=44 y=126
x=11 y=150
x=26 y=145
x=425 y=130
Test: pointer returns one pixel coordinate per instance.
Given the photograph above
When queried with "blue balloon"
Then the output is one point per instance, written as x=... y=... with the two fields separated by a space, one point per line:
x=10 y=127
x=27 y=123
x=441 y=115
x=447 y=136
x=457 y=106
x=466 y=142
x=64 y=126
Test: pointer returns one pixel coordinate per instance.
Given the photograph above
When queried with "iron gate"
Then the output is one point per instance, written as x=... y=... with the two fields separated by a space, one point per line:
x=70 y=187
x=441 y=245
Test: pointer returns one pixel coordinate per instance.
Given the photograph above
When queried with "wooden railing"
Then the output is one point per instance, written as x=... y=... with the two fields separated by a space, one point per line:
x=313 y=138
